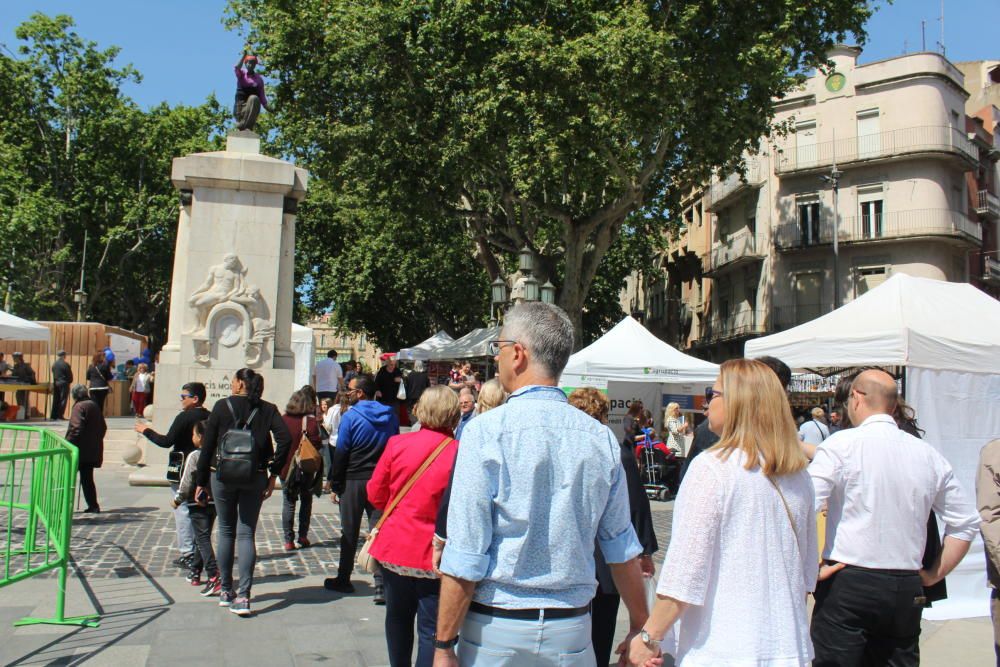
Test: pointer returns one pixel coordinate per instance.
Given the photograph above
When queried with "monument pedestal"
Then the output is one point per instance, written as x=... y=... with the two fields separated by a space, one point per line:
x=233 y=279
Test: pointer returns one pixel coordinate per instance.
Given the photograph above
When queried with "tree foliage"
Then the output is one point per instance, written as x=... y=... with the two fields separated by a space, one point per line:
x=546 y=123
x=78 y=157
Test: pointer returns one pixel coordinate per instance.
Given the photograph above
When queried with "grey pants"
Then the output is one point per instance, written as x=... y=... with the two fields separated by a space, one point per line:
x=353 y=504
x=238 y=509
x=246 y=113
x=185 y=531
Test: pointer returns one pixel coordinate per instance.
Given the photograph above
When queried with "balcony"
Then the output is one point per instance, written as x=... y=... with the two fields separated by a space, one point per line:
x=887 y=227
x=741 y=324
x=731 y=188
x=988 y=205
x=787 y=317
x=991 y=271
x=738 y=249
x=925 y=140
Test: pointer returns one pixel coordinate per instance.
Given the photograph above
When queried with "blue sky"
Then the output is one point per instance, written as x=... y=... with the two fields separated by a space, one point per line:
x=184 y=53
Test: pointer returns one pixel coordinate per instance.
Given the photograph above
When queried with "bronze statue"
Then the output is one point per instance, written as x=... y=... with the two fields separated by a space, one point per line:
x=250 y=96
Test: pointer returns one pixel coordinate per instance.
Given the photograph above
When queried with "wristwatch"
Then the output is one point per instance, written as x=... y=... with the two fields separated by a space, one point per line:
x=647 y=640
x=445 y=644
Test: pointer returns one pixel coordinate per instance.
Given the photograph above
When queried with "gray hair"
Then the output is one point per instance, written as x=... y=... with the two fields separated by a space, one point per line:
x=418 y=366
x=80 y=392
x=545 y=331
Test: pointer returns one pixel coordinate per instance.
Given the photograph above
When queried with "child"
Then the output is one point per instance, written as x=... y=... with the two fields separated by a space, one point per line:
x=141 y=384
x=202 y=520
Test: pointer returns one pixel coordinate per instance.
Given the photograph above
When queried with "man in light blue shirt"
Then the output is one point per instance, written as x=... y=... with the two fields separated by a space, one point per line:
x=535 y=482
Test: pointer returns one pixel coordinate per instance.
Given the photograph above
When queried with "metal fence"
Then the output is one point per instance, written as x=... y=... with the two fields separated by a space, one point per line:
x=890 y=225
x=37 y=483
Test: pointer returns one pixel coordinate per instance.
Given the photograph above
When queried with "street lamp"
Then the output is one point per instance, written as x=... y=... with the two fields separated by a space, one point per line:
x=530 y=288
x=525 y=286
x=833 y=178
x=80 y=298
x=548 y=293
x=525 y=260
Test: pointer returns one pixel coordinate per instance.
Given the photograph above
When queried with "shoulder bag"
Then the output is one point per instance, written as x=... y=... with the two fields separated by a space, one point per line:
x=308 y=457
x=364 y=558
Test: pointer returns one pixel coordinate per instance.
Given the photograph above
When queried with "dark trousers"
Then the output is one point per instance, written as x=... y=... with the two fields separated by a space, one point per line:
x=407 y=598
x=203 y=520
x=87 y=482
x=99 y=395
x=604 y=615
x=301 y=492
x=868 y=617
x=246 y=113
x=238 y=509
x=60 y=396
x=353 y=503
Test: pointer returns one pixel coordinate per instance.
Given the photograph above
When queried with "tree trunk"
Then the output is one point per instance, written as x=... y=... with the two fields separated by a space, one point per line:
x=581 y=267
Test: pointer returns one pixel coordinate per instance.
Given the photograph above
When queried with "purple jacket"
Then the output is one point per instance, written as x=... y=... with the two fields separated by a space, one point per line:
x=247 y=81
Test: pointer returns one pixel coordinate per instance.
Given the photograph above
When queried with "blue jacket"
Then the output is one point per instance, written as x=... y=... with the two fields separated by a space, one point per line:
x=462 y=421
x=361 y=438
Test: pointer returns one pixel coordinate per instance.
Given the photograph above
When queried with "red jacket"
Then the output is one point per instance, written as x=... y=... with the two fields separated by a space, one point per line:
x=294 y=425
x=405 y=537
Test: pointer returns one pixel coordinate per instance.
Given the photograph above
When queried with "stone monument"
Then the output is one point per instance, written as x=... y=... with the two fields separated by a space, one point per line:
x=231 y=293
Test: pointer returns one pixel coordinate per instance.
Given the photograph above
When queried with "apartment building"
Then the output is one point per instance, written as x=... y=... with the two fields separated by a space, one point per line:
x=882 y=172
x=348 y=345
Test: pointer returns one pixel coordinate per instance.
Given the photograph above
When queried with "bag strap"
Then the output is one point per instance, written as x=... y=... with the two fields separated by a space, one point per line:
x=788 y=510
x=305 y=424
x=413 y=479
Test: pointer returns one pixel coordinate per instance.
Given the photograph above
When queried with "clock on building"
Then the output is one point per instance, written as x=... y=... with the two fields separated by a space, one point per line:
x=835 y=82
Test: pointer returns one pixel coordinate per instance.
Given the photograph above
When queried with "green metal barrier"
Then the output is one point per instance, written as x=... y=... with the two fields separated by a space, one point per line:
x=37 y=484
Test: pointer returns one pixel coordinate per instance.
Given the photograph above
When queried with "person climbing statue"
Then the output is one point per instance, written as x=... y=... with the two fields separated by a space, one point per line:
x=250 y=96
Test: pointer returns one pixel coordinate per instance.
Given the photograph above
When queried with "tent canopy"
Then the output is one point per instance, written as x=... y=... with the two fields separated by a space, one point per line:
x=302 y=350
x=905 y=321
x=629 y=352
x=15 y=328
x=471 y=345
x=422 y=351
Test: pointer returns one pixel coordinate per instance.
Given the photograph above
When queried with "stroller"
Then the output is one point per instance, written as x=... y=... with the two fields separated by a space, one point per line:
x=658 y=466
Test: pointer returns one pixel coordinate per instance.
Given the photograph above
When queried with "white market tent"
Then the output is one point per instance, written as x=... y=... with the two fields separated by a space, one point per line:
x=303 y=350
x=15 y=328
x=630 y=353
x=470 y=346
x=422 y=351
x=947 y=337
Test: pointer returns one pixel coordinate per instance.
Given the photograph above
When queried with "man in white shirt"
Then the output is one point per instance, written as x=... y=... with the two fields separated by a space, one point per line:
x=879 y=485
x=328 y=376
x=814 y=431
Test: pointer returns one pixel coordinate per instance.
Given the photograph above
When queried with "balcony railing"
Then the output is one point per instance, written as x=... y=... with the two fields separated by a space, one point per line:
x=910 y=140
x=725 y=191
x=786 y=317
x=988 y=205
x=991 y=271
x=744 y=322
x=738 y=248
x=892 y=225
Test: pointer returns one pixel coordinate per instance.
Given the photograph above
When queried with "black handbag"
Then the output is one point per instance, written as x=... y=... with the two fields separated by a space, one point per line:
x=175 y=466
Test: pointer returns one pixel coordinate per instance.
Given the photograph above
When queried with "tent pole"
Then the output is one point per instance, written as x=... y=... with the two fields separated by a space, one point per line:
x=902 y=390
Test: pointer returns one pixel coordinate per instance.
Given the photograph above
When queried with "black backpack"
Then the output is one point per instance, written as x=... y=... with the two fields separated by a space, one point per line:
x=237 y=458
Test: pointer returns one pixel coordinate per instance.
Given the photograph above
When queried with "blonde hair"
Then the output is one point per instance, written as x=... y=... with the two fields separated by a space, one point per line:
x=817 y=413
x=591 y=401
x=437 y=409
x=669 y=410
x=492 y=395
x=758 y=419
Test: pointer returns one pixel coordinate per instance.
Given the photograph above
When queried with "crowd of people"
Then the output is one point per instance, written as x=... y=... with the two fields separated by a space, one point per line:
x=509 y=524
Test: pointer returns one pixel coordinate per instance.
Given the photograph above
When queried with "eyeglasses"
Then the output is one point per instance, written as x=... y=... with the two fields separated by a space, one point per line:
x=711 y=393
x=183 y=396
x=495 y=346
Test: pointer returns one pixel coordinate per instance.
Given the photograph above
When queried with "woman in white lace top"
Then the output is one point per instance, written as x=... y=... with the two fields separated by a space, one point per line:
x=743 y=552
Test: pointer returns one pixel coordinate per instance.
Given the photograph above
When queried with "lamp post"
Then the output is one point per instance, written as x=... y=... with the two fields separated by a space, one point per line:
x=525 y=287
x=833 y=178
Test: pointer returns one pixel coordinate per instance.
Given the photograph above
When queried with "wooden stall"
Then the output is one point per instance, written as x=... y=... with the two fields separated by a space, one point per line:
x=81 y=340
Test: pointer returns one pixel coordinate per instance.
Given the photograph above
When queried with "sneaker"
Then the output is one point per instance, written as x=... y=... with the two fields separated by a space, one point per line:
x=379 y=598
x=226 y=598
x=304 y=542
x=212 y=587
x=240 y=606
x=184 y=561
x=194 y=578
x=338 y=585
x=289 y=546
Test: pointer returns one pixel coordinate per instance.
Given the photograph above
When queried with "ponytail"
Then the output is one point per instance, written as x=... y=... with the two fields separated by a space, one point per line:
x=254 y=383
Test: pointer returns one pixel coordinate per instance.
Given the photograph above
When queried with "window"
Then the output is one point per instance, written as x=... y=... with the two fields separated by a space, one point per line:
x=808 y=215
x=722 y=224
x=868 y=278
x=869 y=139
x=363 y=342
x=752 y=225
x=807 y=291
x=805 y=144
x=871 y=211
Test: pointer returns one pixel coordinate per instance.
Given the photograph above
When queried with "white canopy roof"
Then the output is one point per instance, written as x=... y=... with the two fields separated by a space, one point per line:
x=629 y=352
x=471 y=345
x=423 y=350
x=14 y=328
x=905 y=321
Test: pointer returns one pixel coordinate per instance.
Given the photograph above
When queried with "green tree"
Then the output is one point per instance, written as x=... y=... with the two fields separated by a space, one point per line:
x=546 y=123
x=77 y=157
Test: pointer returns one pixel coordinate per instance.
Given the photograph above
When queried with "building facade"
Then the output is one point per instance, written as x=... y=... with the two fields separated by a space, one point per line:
x=349 y=346
x=882 y=171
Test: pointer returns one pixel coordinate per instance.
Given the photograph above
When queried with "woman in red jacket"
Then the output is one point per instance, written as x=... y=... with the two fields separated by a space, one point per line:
x=403 y=543
x=300 y=418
